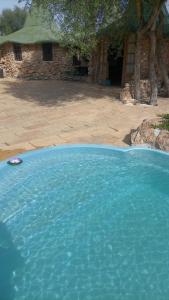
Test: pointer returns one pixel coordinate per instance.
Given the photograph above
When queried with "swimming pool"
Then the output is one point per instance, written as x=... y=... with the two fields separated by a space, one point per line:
x=85 y=223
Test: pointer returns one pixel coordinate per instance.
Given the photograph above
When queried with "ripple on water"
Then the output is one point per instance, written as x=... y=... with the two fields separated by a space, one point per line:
x=89 y=225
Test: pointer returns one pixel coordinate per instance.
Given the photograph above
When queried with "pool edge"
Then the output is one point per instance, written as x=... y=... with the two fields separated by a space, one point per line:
x=30 y=153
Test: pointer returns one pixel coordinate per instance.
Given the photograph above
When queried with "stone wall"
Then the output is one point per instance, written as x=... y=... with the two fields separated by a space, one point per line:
x=166 y=52
x=129 y=72
x=98 y=68
x=145 y=58
x=145 y=48
x=145 y=90
x=144 y=82
x=32 y=65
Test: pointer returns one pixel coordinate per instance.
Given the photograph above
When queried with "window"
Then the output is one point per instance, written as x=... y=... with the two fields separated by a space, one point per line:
x=17 y=52
x=47 y=52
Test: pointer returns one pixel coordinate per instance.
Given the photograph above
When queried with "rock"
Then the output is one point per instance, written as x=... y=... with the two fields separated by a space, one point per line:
x=125 y=95
x=155 y=137
x=144 y=90
x=162 y=141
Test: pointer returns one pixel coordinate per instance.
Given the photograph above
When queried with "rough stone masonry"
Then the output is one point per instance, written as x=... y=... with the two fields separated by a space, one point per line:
x=32 y=65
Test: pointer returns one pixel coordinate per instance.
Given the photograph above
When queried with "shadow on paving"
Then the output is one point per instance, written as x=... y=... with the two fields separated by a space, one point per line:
x=10 y=261
x=53 y=92
x=127 y=138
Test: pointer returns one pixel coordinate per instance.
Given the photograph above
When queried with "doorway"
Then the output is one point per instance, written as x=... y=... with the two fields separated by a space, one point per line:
x=115 y=62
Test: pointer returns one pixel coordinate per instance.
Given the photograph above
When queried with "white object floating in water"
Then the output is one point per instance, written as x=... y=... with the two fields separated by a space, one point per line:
x=15 y=161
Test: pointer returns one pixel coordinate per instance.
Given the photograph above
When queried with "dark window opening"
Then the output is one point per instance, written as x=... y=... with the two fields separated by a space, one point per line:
x=17 y=52
x=47 y=50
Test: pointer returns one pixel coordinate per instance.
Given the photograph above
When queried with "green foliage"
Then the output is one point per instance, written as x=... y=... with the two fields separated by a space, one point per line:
x=140 y=12
x=84 y=21
x=12 y=20
x=164 y=124
x=81 y=22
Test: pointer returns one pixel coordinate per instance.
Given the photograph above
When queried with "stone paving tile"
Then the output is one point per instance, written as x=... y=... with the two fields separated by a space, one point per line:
x=43 y=113
x=36 y=125
x=8 y=138
x=23 y=146
x=48 y=141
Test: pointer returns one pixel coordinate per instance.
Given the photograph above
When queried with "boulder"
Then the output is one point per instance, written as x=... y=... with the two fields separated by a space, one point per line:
x=162 y=141
x=126 y=96
x=147 y=134
x=145 y=90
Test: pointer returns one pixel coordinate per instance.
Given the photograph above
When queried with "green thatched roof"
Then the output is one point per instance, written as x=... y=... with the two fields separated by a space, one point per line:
x=39 y=27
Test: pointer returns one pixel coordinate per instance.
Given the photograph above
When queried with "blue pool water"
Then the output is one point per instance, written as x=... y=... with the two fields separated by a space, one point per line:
x=85 y=223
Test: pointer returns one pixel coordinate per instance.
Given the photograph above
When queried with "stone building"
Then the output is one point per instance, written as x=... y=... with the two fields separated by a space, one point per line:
x=34 y=52
x=108 y=65
x=118 y=68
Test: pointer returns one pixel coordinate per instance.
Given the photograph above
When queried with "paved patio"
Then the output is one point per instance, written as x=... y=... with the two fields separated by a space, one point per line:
x=42 y=113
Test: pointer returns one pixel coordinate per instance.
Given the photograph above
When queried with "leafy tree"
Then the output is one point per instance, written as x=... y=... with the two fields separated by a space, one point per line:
x=82 y=21
x=12 y=20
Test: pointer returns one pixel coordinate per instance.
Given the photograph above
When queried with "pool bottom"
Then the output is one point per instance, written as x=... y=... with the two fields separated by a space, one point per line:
x=89 y=225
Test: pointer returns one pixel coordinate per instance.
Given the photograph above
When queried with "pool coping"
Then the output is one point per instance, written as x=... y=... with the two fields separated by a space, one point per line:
x=35 y=152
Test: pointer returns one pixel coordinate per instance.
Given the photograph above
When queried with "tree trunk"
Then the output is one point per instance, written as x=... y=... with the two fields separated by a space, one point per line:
x=162 y=65
x=101 y=60
x=152 y=20
x=105 y=59
x=97 y=64
x=97 y=70
x=137 y=68
x=150 y=27
x=153 y=75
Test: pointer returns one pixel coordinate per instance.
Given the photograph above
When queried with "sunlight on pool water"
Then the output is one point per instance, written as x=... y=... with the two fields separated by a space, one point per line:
x=86 y=224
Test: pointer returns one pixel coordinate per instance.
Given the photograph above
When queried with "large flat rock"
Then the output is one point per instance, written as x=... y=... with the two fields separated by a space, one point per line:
x=149 y=133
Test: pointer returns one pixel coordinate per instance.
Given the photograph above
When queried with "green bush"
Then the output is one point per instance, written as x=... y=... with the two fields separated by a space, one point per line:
x=164 y=124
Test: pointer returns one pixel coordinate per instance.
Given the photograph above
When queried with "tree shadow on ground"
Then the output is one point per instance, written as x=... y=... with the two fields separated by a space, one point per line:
x=10 y=261
x=55 y=93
